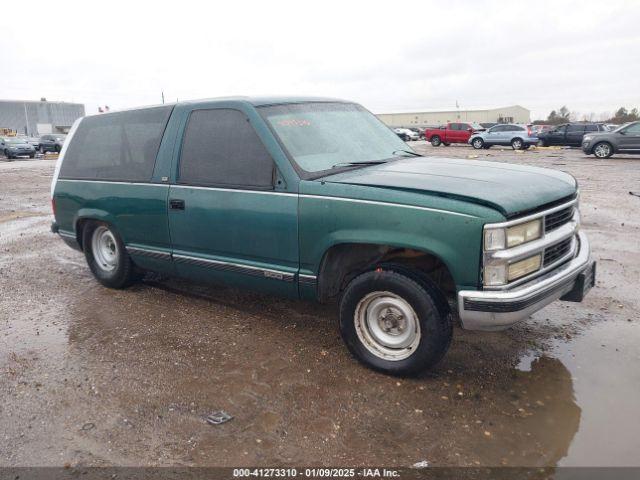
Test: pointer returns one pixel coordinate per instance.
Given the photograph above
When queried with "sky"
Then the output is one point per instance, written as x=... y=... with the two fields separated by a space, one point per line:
x=388 y=56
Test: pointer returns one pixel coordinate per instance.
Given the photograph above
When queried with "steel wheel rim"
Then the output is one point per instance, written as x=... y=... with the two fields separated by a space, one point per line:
x=602 y=150
x=104 y=248
x=387 y=325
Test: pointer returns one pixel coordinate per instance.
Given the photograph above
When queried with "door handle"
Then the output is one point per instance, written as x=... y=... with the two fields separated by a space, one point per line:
x=176 y=204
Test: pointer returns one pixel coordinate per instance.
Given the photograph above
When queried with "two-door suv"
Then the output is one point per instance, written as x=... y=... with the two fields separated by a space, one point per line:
x=317 y=199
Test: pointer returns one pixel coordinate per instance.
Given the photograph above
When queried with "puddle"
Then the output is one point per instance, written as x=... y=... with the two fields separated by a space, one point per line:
x=599 y=417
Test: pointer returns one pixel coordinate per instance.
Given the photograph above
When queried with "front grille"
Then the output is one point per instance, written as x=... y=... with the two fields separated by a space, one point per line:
x=557 y=219
x=557 y=251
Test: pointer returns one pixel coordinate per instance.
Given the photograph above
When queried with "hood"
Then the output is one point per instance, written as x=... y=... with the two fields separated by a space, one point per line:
x=510 y=189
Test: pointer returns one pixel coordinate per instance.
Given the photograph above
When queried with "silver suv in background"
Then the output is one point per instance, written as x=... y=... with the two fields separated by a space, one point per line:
x=519 y=137
x=625 y=139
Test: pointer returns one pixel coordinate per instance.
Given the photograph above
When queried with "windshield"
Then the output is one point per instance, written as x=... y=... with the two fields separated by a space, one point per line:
x=319 y=136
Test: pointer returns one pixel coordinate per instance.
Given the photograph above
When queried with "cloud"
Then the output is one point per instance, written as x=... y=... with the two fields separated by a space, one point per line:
x=389 y=57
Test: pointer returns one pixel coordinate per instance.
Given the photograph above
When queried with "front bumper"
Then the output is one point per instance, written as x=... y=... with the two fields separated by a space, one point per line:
x=497 y=310
x=586 y=147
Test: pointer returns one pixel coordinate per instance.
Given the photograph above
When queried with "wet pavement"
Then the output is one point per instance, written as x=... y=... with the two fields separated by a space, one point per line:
x=91 y=376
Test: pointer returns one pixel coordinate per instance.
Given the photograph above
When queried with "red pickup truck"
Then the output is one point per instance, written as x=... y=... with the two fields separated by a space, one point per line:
x=458 y=132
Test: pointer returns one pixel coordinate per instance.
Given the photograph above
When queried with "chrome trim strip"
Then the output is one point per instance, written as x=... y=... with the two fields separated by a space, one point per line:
x=64 y=233
x=238 y=190
x=533 y=216
x=158 y=254
x=307 y=279
x=386 y=204
x=235 y=267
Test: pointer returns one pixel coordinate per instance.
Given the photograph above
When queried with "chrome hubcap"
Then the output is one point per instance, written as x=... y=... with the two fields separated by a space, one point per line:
x=517 y=144
x=477 y=143
x=602 y=151
x=104 y=248
x=387 y=325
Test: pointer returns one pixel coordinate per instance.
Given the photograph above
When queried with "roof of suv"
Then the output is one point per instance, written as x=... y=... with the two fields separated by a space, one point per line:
x=267 y=100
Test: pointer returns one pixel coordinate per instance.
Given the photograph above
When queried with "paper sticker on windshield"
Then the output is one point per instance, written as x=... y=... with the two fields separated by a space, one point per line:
x=294 y=122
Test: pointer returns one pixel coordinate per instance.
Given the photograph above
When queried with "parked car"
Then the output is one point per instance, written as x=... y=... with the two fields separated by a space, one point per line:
x=537 y=129
x=14 y=147
x=454 y=132
x=486 y=125
x=406 y=134
x=34 y=141
x=317 y=199
x=625 y=139
x=51 y=143
x=519 y=137
x=419 y=131
x=569 y=134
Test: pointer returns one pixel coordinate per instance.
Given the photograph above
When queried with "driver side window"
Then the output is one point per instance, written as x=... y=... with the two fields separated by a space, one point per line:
x=632 y=129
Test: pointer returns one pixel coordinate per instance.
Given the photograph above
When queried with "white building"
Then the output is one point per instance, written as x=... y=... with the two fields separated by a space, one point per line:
x=511 y=114
x=28 y=117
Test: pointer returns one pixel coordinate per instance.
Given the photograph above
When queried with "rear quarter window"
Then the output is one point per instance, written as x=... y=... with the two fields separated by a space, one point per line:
x=116 y=146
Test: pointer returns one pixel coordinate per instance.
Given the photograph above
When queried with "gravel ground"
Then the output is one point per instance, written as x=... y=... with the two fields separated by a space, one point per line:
x=91 y=376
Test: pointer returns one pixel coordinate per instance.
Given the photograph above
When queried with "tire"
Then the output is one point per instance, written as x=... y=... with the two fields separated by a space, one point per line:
x=517 y=144
x=446 y=144
x=487 y=147
x=113 y=270
x=435 y=141
x=526 y=147
x=41 y=149
x=478 y=143
x=602 y=150
x=542 y=143
x=416 y=333
x=32 y=155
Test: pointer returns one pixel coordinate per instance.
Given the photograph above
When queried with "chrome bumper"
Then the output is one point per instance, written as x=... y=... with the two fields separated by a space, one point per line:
x=497 y=310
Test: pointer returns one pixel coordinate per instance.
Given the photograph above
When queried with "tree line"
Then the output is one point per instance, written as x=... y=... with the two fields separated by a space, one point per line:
x=564 y=115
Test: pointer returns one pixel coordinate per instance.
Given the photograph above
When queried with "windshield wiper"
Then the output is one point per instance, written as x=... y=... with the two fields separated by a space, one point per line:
x=409 y=152
x=355 y=164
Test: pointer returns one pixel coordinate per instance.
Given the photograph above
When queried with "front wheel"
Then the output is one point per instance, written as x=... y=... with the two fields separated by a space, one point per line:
x=516 y=144
x=107 y=256
x=435 y=141
x=392 y=324
x=477 y=143
x=603 y=150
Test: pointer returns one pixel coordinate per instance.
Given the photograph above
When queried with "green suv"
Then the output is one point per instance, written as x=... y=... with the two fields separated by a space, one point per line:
x=317 y=199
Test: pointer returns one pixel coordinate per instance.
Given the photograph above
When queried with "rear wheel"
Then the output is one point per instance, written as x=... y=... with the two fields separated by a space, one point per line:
x=603 y=150
x=516 y=144
x=435 y=141
x=107 y=256
x=391 y=323
x=478 y=143
x=542 y=143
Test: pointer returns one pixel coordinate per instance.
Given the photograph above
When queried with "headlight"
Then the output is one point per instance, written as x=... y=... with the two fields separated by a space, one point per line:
x=519 y=234
x=501 y=238
x=524 y=267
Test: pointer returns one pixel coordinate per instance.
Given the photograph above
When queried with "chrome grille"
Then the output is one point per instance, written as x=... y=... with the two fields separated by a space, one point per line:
x=557 y=251
x=557 y=219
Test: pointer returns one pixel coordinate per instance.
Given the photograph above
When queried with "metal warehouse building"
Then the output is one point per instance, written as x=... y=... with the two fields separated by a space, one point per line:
x=512 y=114
x=38 y=118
